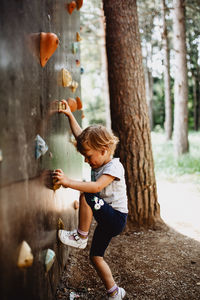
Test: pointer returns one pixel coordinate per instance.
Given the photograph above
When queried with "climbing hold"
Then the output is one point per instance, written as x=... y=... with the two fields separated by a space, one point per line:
x=61 y=106
x=71 y=6
x=1 y=155
x=49 y=259
x=66 y=78
x=25 y=258
x=79 y=103
x=40 y=146
x=79 y=4
x=61 y=224
x=77 y=62
x=74 y=85
x=48 y=45
x=82 y=115
x=72 y=104
x=78 y=37
x=55 y=185
x=82 y=70
x=76 y=204
x=74 y=47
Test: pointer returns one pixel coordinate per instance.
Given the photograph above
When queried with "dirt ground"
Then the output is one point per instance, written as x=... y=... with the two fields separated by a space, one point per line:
x=150 y=265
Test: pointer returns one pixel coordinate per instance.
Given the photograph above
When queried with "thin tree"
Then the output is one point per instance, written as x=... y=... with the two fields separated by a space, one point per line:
x=129 y=113
x=168 y=100
x=181 y=144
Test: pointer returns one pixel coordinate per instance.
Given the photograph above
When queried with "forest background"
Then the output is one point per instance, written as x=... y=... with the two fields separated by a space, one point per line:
x=155 y=21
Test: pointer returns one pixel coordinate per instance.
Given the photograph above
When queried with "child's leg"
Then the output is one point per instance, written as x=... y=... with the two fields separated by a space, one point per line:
x=78 y=238
x=103 y=271
x=85 y=216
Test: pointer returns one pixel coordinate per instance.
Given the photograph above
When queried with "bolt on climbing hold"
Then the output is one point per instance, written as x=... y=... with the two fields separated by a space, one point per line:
x=72 y=104
x=76 y=204
x=55 y=185
x=49 y=259
x=74 y=86
x=61 y=106
x=77 y=62
x=71 y=6
x=79 y=4
x=66 y=78
x=40 y=146
x=82 y=115
x=61 y=224
x=79 y=103
x=82 y=70
x=78 y=37
x=48 y=45
x=74 y=47
x=25 y=258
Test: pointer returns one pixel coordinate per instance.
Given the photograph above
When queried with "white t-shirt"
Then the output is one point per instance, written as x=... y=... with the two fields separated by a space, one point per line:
x=115 y=193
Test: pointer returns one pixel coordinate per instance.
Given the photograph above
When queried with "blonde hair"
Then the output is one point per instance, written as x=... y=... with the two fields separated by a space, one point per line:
x=96 y=137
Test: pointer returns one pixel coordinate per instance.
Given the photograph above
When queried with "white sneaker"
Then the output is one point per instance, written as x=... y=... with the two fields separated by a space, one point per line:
x=121 y=294
x=71 y=238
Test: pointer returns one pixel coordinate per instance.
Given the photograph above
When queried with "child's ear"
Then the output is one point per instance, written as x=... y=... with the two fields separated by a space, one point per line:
x=104 y=151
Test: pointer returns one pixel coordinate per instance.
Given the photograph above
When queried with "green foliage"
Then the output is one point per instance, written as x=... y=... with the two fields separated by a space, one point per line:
x=166 y=165
x=92 y=81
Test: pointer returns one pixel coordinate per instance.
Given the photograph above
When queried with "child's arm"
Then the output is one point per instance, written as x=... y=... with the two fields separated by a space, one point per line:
x=76 y=129
x=87 y=187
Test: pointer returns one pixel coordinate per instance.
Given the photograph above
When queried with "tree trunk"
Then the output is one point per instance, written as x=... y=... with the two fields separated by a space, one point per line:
x=181 y=144
x=129 y=113
x=168 y=101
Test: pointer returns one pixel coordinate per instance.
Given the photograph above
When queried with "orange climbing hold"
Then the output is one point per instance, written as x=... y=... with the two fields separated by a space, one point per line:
x=48 y=45
x=71 y=6
x=79 y=4
x=72 y=104
x=79 y=103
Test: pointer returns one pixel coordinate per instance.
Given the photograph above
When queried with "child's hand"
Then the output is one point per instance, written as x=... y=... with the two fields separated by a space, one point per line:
x=67 y=110
x=60 y=178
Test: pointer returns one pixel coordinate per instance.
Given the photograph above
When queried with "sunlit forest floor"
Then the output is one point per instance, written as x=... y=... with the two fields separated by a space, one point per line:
x=152 y=264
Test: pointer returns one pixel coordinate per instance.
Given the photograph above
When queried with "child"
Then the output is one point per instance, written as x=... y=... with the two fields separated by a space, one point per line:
x=104 y=198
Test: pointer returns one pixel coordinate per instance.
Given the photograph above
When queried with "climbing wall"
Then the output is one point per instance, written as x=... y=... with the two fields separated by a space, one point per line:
x=39 y=66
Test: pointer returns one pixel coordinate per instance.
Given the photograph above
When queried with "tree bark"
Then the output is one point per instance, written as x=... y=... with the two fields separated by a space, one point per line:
x=168 y=100
x=181 y=144
x=129 y=113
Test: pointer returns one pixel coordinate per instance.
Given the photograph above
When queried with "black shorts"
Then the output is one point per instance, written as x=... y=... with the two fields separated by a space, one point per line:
x=110 y=223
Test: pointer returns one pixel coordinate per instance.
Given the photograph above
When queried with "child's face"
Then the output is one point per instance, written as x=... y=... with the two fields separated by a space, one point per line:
x=96 y=158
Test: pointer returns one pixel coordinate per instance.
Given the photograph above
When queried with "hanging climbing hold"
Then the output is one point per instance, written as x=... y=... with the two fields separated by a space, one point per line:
x=82 y=70
x=74 y=86
x=61 y=224
x=40 y=146
x=78 y=37
x=77 y=62
x=25 y=258
x=76 y=204
x=79 y=4
x=66 y=78
x=74 y=47
x=49 y=259
x=71 y=6
x=79 y=103
x=48 y=45
x=72 y=104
